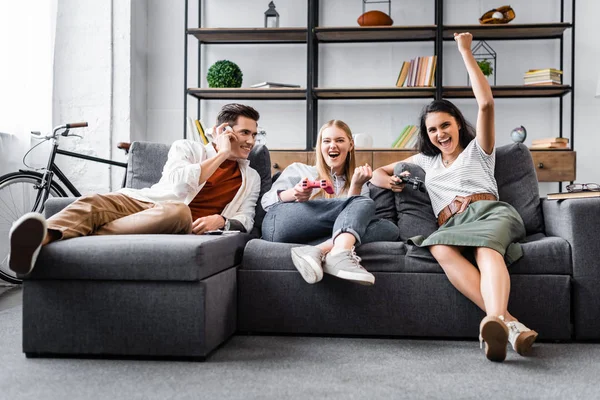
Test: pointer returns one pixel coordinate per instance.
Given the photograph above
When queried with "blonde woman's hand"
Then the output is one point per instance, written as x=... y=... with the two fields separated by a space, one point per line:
x=362 y=175
x=301 y=193
x=396 y=184
x=464 y=41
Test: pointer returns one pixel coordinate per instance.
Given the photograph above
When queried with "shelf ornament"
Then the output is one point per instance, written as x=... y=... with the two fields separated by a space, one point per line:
x=224 y=74
x=500 y=15
x=271 y=17
x=375 y=17
x=486 y=59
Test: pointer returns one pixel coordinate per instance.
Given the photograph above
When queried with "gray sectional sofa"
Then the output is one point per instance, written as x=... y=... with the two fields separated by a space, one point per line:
x=182 y=296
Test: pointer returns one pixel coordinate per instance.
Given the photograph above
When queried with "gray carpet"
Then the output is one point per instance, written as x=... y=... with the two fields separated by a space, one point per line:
x=264 y=367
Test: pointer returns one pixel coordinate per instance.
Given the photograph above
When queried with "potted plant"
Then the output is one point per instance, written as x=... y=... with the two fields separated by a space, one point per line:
x=224 y=74
x=486 y=67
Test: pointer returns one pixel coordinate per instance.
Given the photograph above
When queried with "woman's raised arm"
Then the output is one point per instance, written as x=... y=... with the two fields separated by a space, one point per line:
x=485 y=131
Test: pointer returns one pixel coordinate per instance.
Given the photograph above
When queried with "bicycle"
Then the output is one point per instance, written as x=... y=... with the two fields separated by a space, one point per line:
x=28 y=190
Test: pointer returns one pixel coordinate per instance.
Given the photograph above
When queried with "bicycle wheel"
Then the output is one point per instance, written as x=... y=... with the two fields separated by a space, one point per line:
x=18 y=193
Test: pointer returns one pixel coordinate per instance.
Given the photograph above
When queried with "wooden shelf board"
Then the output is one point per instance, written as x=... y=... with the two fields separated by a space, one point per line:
x=509 y=31
x=374 y=93
x=375 y=33
x=509 y=91
x=249 y=93
x=249 y=35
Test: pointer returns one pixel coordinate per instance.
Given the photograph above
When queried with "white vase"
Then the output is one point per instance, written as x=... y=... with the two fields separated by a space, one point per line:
x=362 y=140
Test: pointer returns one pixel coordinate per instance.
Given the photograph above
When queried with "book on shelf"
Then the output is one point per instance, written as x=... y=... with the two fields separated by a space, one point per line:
x=573 y=195
x=546 y=76
x=196 y=132
x=400 y=136
x=544 y=71
x=419 y=72
x=543 y=83
x=403 y=74
x=407 y=136
x=273 y=85
x=550 y=140
x=549 y=146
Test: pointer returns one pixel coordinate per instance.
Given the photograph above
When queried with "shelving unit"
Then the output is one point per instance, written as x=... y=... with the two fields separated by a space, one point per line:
x=552 y=166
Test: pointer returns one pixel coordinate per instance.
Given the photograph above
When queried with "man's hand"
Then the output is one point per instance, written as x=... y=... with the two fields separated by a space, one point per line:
x=464 y=41
x=222 y=137
x=302 y=194
x=210 y=223
x=396 y=184
x=362 y=175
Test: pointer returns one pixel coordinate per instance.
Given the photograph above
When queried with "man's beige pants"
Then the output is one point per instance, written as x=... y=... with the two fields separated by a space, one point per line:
x=117 y=214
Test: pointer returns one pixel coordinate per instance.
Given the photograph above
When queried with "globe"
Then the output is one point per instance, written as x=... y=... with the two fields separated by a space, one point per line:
x=519 y=134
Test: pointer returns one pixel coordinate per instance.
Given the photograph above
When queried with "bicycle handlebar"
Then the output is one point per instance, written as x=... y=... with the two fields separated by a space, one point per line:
x=76 y=125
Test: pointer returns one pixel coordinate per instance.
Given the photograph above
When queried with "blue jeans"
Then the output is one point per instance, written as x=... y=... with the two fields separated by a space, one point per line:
x=315 y=221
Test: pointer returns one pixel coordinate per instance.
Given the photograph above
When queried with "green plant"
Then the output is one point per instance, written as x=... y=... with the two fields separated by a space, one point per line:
x=486 y=67
x=224 y=74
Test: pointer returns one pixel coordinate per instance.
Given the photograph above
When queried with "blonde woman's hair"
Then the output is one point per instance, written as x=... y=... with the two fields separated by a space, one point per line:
x=323 y=169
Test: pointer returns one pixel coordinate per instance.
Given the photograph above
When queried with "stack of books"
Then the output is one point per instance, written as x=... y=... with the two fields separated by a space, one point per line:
x=407 y=138
x=554 y=143
x=265 y=85
x=418 y=72
x=548 y=76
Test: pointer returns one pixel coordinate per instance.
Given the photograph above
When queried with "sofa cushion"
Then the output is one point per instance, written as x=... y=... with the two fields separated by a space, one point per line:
x=145 y=164
x=260 y=160
x=415 y=214
x=541 y=256
x=518 y=184
x=140 y=257
x=262 y=255
x=384 y=203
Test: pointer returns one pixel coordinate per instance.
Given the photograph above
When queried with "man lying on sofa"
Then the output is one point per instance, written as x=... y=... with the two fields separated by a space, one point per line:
x=202 y=188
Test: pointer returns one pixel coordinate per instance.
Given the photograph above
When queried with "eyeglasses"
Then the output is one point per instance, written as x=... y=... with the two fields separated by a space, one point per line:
x=582 y=187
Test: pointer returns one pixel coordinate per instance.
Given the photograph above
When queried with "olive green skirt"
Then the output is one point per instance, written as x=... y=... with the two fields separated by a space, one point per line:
x=493 y=224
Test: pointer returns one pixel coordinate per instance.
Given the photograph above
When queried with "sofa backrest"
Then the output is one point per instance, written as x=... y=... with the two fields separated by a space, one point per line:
x=517 y=185
x=147 y=159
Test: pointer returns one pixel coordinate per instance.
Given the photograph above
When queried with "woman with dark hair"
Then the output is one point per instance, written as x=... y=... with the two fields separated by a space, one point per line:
x=459 y=176
x=336 y=221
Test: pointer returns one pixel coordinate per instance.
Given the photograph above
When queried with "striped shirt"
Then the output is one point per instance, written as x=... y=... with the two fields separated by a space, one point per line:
x=472 y=172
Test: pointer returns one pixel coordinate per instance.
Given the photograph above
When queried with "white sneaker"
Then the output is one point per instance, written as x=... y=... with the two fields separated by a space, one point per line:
x=520 y=337
x=346 y=265
x=26 y=236
x=308 y=260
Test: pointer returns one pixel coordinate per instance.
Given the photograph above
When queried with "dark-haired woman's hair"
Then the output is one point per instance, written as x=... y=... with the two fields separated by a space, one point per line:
x=466 y=132
x=230 y=113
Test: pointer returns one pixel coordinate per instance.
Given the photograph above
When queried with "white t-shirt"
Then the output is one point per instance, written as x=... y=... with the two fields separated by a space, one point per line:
x=472 y=172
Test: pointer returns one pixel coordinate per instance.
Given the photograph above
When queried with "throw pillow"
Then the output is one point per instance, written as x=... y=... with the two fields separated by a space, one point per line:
x=415 y=214
x=518 y=184
x=385 y=207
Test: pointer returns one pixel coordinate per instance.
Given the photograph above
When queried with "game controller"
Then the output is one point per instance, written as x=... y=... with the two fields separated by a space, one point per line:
x=416 y=183
x=322 y=184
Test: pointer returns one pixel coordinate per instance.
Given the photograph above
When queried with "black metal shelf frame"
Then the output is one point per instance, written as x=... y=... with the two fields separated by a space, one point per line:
x=441 y=34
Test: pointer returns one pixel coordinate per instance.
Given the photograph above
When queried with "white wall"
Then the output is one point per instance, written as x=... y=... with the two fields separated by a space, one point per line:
x=156 y=68
x=92 y=65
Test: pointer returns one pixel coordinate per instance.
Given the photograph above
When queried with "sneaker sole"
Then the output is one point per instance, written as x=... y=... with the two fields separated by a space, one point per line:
x=363 y=279
x=495 y=335
x=310 y=272
x=525 y=341
x=24 y=242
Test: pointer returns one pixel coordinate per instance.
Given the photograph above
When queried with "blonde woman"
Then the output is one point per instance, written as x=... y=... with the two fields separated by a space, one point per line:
x=336 y=223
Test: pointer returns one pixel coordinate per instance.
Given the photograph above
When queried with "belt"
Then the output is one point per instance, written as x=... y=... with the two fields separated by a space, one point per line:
x=460 y=204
